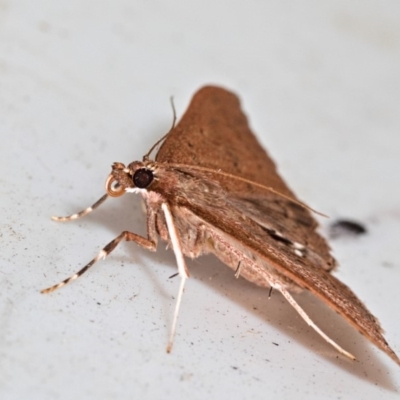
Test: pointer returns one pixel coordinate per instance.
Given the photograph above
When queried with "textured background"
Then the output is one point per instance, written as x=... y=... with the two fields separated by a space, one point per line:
x=86 y=83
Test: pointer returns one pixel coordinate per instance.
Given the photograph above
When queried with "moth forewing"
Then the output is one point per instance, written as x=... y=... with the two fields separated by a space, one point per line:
x=213 y=188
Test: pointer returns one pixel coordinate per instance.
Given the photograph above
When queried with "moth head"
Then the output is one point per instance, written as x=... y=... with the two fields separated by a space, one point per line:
x=136 y=177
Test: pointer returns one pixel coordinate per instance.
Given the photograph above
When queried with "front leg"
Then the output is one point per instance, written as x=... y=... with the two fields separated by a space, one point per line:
x=149 y=243
x=126 y=235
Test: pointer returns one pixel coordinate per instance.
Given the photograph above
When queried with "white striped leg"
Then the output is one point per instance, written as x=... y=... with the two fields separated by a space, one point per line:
x=83 y=212
x=126 y=235
x=182 y=269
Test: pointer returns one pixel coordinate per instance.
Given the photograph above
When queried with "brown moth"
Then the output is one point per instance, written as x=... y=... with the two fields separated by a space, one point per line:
x=213 y=189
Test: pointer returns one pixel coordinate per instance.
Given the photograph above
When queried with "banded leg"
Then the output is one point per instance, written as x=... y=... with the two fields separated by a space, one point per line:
x=83 y=212
x=126 y=235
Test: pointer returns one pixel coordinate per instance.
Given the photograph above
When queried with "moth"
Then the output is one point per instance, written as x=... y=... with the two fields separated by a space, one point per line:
x=212 y=188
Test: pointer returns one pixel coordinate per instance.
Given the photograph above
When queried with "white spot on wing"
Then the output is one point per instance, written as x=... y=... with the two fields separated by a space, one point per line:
x=298 y=253
x=298 y=246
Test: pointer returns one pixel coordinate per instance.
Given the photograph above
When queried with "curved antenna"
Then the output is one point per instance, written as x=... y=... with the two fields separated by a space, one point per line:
x=147 y=156
x=268 y=188
x=113 y=189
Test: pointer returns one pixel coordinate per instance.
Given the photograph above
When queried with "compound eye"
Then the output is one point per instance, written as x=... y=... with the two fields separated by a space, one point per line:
x=142 y=178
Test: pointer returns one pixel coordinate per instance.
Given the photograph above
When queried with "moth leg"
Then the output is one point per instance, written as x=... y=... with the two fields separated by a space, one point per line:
x=147 y=243
x=83 y=212
x=309 y=322
x=182 y=269
x=238 y=270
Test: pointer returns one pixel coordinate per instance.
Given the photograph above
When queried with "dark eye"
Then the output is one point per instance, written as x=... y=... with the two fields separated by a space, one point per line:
x=142 y=178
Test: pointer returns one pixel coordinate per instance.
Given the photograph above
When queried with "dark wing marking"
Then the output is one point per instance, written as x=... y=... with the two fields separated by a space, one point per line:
x=287 y=222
